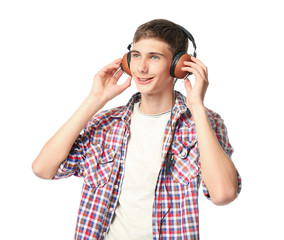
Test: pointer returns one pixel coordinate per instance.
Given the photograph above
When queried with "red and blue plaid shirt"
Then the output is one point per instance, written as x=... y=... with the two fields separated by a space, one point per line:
x=99 y=153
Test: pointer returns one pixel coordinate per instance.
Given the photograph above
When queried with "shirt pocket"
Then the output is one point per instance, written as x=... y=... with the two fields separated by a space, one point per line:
x=98 y=165
x=185 y=165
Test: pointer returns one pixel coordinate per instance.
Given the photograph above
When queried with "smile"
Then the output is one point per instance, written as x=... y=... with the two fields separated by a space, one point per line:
x=144 y=80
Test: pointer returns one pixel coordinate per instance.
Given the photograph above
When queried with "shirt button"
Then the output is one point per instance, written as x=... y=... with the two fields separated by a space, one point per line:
x=121 y=161
x=183 y=153
x=116 y=186
x=111 y=209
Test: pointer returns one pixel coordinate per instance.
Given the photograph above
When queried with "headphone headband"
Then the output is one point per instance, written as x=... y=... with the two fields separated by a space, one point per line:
x=187 y=34
x=190 y=37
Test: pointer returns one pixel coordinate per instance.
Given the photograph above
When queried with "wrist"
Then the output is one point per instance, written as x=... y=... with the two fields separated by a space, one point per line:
x=197 y=109
x=95 y=102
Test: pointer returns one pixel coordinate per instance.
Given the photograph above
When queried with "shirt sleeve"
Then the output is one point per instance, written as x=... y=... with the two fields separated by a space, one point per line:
x=221 y=133
x=73 y=164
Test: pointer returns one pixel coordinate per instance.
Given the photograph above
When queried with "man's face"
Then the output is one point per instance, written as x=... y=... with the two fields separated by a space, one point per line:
x=150 y=66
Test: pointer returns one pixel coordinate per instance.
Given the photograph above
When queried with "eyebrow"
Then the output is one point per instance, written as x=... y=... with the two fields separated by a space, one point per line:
x=150 y=53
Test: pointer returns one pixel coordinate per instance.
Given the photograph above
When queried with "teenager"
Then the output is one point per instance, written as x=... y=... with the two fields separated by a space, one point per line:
x=143 y=163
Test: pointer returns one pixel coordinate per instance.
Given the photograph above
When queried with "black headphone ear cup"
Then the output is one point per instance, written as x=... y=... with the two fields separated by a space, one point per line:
x=125 y=64
x=174 y=63
x=128 y=59
x=178 y=63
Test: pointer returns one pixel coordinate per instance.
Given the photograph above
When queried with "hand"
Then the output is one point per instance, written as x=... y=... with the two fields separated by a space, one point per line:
x=105 y=85
x=196 y=94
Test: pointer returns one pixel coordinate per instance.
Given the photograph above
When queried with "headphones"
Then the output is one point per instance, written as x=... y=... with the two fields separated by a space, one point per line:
x=177 y=62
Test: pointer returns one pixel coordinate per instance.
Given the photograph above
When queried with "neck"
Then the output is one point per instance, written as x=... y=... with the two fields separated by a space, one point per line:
x=153 y=104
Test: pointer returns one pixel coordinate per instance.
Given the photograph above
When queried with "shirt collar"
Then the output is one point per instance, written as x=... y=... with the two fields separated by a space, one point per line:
x=125 y=112
x=180 y=108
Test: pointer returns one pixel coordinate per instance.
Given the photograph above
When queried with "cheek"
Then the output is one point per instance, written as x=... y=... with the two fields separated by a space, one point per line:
x=162 y=70
x=132 y=65
x=165 y=72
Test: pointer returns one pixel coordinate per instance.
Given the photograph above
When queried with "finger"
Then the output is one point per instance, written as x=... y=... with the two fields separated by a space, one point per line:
x=117 y=60
x=118 y=74
x=108 y=72
x=188 y=86
x=198 y=67
x=114 y=65
x=125 y=85
x=111 y=67
x=200 y=63
x=199 y=79
x=192 y=70
x=113 y=72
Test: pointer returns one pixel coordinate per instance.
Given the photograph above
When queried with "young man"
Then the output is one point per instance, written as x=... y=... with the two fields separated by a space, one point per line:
x=122 y=154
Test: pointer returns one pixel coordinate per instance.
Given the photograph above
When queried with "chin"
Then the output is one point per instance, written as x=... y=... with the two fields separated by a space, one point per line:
x=145 y=88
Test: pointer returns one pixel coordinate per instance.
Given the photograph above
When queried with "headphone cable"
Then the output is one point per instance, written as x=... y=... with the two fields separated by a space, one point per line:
x=169 y=160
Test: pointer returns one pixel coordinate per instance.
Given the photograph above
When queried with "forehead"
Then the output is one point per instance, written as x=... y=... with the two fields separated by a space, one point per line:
x=148 y=45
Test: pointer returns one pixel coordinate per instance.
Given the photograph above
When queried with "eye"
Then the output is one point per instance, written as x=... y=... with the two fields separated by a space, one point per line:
x=135 y=55
x=155 y=57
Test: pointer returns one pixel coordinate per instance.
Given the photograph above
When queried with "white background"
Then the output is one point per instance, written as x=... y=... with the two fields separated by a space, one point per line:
x=49 y=53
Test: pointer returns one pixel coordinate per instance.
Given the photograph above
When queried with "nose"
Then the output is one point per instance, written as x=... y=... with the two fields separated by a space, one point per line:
x=142 y=65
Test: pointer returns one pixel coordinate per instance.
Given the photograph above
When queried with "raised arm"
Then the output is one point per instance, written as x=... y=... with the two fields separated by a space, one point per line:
x=218 y=170
x=57 y=148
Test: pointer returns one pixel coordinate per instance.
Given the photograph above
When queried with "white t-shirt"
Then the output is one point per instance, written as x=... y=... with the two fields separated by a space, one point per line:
x=133 y=216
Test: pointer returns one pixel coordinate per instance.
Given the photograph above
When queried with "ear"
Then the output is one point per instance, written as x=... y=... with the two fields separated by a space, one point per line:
x=125 y=64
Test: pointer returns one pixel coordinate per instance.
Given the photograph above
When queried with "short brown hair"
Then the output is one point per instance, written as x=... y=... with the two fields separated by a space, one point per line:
x=166 y=31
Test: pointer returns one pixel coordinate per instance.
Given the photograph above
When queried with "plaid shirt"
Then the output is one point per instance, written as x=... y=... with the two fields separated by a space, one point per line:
x=98 y=155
